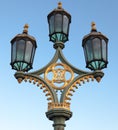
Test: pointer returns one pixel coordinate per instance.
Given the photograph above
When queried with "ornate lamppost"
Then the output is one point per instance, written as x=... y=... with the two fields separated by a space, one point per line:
x=59 y=74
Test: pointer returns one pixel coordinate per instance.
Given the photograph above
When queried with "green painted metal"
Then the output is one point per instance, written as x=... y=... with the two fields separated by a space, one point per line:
x=58 y=56
x=58 y=116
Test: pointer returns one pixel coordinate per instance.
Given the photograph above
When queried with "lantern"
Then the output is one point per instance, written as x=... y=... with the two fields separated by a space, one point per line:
x=23 y=48
x=95 y=47
x=59 y=21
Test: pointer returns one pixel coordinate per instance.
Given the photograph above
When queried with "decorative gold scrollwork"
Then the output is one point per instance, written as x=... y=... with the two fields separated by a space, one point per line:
x=39 y=84
x=58 y=75
x=75 y=86
x=64 y=105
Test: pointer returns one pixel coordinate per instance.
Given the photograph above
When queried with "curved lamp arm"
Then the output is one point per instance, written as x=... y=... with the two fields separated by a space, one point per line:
x=59 y=56
x=77 y=81
x=40 y=82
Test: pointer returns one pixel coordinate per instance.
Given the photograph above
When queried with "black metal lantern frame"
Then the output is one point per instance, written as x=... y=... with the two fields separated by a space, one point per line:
x=59 y=21
x=95 y=47
x=23 y=48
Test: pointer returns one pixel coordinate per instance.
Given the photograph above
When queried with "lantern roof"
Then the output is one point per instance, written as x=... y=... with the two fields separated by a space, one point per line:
x=94 y=33
x=59 y=9
x=25 y=35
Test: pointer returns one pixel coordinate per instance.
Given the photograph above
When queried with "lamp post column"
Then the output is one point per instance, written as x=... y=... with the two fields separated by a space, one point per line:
x=59 y=116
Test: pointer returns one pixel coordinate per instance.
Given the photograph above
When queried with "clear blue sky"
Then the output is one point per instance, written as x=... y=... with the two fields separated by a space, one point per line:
x=23 y=106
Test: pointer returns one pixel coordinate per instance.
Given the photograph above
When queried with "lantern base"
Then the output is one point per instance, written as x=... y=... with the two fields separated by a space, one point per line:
x=98 y=75
x=59 y=44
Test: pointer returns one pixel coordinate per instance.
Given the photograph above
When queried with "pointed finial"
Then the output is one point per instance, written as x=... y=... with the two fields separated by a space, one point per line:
x=59 y=5
x=98 y=79
x=26 y=26
x=19 y=80
x=93 y=26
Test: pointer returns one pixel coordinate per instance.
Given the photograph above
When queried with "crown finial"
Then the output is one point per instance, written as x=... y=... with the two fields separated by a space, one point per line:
x=93 y=26
x=26 y=26
x=59 y=5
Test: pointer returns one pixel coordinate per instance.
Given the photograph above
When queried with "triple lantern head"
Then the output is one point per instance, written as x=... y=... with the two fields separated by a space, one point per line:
x=95 y=44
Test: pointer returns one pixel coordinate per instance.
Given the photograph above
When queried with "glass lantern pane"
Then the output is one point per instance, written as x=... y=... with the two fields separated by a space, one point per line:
x=16 y=66
x=96 y=48
x=58 y=23
x=13 y=52
x=102 y=65
x=89 y=51
x=21 y=66
x=85 y=54
x=24 y=66
x=28 y=52
x=92 y=65
x=65 y=24
x=33 y=53
x=20 y=50
x=51 y=24
x=104 y=48
x=59 y=37
x=95 y=65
